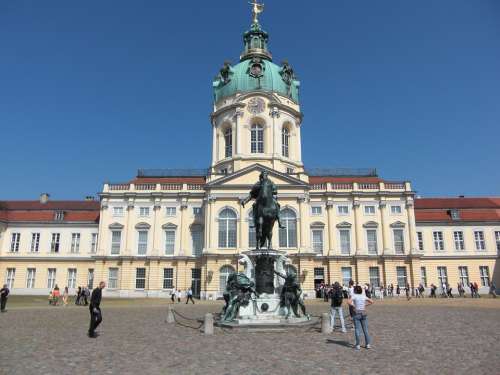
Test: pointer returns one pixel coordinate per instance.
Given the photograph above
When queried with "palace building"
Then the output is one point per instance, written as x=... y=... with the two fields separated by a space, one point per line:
x=168 y=229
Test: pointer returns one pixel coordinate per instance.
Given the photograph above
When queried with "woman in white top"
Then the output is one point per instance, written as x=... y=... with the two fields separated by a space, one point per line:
x=359 y=301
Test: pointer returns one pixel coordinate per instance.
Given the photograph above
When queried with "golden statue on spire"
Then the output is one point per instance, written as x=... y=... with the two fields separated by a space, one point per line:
x=256 y=10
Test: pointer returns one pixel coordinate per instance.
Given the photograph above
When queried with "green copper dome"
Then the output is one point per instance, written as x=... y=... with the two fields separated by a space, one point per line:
x=256 y=71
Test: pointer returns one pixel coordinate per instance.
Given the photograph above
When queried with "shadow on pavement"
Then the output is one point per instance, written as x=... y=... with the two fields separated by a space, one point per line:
x=339 y=342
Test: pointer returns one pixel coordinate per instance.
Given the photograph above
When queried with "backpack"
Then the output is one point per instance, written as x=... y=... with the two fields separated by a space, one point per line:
x=337 y=297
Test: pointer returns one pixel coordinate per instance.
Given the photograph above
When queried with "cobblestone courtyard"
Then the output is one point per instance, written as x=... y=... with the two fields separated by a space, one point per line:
x=416 y=337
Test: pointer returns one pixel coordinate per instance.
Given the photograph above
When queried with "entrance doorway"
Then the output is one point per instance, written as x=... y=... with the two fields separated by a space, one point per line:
x=319 y=278
x=196 y=282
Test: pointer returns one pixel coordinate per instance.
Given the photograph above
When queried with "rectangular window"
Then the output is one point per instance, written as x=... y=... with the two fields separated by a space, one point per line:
x=420 y=238
x=75 y=242
x=497 y=239
x=142 y=242
x=374 y=276
x=396 y=210
x=51 y=278
x=343 y=210
x=144 y=211
x=458 y=238
x=484 y=274
x=345 y=241
x=55 y=242
x=9 y=279
x=93 y=243
x=257 y=139
x=197 y=211
x=116 y=241
x=346 y=275
x=170 y=211
x=399 y=241
x=371 y=238
x=463 y=275
x=423 y=276
x=289 y=170
x=90 y=278
x=72 y=278
x=168 y=278
x=112 y=278
x=118 y=211
x=319 y=273
x=35 y=242
x=14 y=243
x=59 y=216
x=479 y=240
x=442 y=276
x=438 y=241
x=30 y=278
x=140 y=278
x=369 y=210
x=197 y=240
x=401 y=275
x=317 y=240
x=316 y=210
x=169 y=241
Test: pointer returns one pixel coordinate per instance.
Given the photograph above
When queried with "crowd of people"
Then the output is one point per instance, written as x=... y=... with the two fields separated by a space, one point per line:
x=176 y=295
x=82 y=296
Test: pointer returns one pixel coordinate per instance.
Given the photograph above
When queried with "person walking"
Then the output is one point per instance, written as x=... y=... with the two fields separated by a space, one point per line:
x=359 y=301
x=86 y=295
x=407 y=290
x=336 y=306
x=95 y=309
x=78 y=296
x=65 y=296
x=189 y=296
x=4 y=293
x=476 y=290
x=493 y=289
x=172 y=295
x=178 y=294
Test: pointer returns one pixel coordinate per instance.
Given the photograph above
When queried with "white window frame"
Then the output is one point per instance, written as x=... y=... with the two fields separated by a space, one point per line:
x=51 y=278
x=90 y=277
x=257 y=139
x=55 y=243
x=289 y=241
x=341 y=208
x=10 y=277
x=371 y=242
x=142 y=244
x=227 y=225
x=168 y=280
x=345 y=250
x=116 y=245
x=144 y=211
x=343 y=272
x=15 y=241
x=170 y=211
x=72 y=278
x=394 y=207
x=438 y=239
x=374 y=276
x=370 y=209
x=75 y=243
x=423 y=276
x=169 y=244
x=228 y=142
x=137 y=278
x=497 y=240
x=35 y=242
x=442 y=275
x=402 y=242
x=196 y=249
x=113 y=278
x=118 y=211
x=420 y=240
x=285 y=142
x=463 y=275
x=458 y=240
x=484 y=276
x=30 y=278
x=317 y=208
x=197 y=211
x=399 y=277
x=94 y=238
x=479 y=240
x=317 y=246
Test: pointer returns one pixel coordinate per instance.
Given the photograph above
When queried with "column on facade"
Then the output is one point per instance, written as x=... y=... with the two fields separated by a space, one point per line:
x=358 y=227
x=298 y=145
x=239 y=245
x=129 y=232
x=303 y=222
x=330 y=229
x=274 y=113
x=237 y=134
x=209 y=223
x=412 y=230
x=157 y=232
x=215 y=151
x=386 y=229
x=182 y=227
x=101 y=238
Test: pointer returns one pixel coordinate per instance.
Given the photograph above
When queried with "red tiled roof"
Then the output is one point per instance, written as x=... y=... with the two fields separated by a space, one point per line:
x=323 y=179
x=469 y=209
x=168 y=180
x=86 y=211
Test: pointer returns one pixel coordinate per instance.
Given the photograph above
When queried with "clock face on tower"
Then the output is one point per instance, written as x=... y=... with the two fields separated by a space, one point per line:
x=256 y=106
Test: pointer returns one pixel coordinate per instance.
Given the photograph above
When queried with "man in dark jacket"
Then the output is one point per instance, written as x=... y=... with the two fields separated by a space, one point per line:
x=95 y=310
x=337 y=298
x=4 y=292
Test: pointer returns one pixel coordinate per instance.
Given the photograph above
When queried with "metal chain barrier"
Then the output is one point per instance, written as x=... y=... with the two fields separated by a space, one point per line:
x=178 y=316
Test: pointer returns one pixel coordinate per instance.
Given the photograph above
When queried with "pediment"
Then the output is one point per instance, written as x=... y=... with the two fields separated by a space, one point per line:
x=398 y=224
x=344 y=224
x=250 y=175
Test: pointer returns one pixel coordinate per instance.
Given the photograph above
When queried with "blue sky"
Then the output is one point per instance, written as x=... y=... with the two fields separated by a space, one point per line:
x=92 y=90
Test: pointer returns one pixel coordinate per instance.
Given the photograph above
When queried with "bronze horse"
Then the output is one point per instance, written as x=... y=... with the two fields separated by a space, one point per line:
x=265 y=210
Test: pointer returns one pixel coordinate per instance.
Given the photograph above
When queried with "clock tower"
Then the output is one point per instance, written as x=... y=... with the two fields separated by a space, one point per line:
x=256 y=117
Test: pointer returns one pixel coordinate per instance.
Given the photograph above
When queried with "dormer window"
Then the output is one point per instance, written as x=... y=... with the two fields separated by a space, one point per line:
x=59 y=215
x=455 y=214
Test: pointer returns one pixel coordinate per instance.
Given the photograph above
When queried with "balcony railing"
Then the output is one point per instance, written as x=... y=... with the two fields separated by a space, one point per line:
x=341 y=186
x=171 y=186
x=318 y=186
x=368 y=186
x=119 y=186
x=195 y=187
x=145 y=187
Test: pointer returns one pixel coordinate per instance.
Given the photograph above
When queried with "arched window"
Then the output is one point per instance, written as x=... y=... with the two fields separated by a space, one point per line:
x=228 y=143
x=285 y=141
x=197 y=239
x=224 y=273
x=252 y=240
x=227 y=228
x=288 y=235
x=257 y=139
